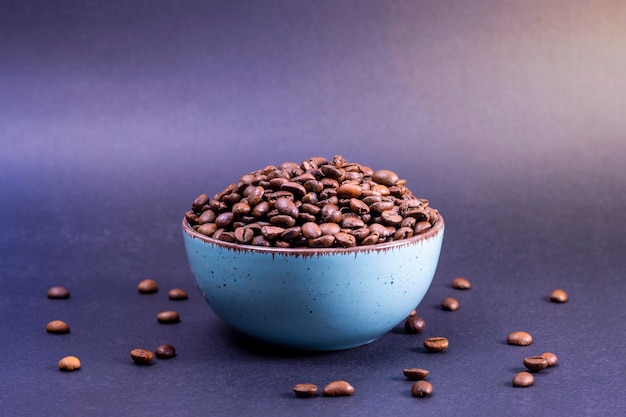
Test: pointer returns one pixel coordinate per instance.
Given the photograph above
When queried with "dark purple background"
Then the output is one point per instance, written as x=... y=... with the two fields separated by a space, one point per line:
x=508 y=116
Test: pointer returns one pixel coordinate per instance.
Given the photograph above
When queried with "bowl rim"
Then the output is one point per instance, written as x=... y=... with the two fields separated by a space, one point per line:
x=307 y=251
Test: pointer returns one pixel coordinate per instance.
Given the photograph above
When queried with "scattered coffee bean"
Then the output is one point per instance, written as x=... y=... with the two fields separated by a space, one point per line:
x=148 y=286
x=461 y=283
x=168 y=317
x=141 y=356
x=337 y=389
x=177 y=294
x=58 y=293
x=450 y=304
x=421 y=389
x=305 y=390
x=414 y=324
x=519 y=339
x=165 y=351
x=69 y=363
x=558 y=296
x=523 y=379
x=58 y=327
x=412 y=313
x=551 y=358
x=436 y=344
x=288 y=205
x=415 y=374
x=536 y=363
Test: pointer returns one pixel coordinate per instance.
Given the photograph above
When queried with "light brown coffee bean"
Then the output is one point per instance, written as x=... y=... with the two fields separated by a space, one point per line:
x=461 y=283
x=69 y=363
x=414 y=324
x=58 y=327
x=535 y=363
x=337 y=389
x=141 y=356
x=450 y=304
x=165 y=351
x=148 y=286
x=519 y=339
x=421 y=389
x=177 y=294
x=415 y=374
x=168 y=317
x=345 y=240
x=58 y=293
x=199 y=202
x=551 y=358
x=558 y=296
x=523 y=379
x=207 y=229
x=305 y=390
x=385 y=177
x=436 y=344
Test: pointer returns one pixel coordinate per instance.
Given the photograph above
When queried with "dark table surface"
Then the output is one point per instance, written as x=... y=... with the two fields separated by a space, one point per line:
x=508 y=116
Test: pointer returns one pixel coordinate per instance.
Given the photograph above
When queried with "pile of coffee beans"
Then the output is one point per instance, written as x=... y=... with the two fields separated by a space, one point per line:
x=318 y=203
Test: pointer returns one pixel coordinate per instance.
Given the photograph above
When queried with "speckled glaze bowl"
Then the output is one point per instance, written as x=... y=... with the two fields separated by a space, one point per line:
x=314 y=299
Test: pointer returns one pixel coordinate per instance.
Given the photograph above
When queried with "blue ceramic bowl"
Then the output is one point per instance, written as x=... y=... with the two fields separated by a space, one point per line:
x=314 y=299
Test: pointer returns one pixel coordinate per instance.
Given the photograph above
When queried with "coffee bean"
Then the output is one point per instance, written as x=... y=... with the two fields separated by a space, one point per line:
x=69 y=363
x=305 y=390
x=523 y=379
x=414 y=324
x=421 y=389
x=58 y=293
x=535 y=363
x=450 y=304
x=519 y=339
x=385 y=177
x=177 y=294
x=141 y=356
x=345 y=194
x=436 y=344
x=558 y=296
x=550 y=357
x=148 y=286
x=165 y=351
x=461 y=283
x=168 y=317
x=415 y=374
x=337 y=389
x=58 y=327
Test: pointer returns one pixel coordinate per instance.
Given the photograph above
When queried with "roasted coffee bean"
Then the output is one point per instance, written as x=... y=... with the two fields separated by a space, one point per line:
x=414 y=324
x=345 y=240
x=461 y=283
x=324 y=241
x=58 y=293
x=272 y=232
x=168 y=317
x=305 y=390
x=523 y=379
x=535 y=363
x=436 y=344
x=141 y=356
x=199 y=202
x=450 y=304
x=550 y=357
x=311 y=230
x=148 y=286
x=58 y=327
x=165 y=351
x=415 y=374
x=558 y=296
x=69 y=363
x=177 y=294
x=421 y=389
x=519 y=339
x=207 y=229
x=337 y=389
x=385 y=177
x=350 y=195
x=291 y=233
